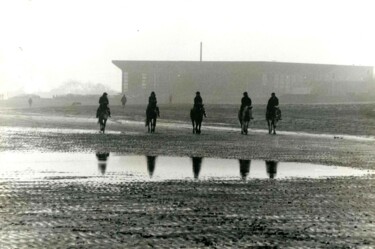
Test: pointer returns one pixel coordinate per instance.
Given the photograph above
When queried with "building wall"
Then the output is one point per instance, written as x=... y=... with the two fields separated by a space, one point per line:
x=224 y=82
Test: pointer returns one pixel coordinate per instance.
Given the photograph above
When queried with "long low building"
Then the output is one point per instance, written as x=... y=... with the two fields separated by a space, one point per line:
x=224 y=81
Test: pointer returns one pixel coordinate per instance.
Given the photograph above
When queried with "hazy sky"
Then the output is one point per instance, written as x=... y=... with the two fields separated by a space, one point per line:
x=47 y=42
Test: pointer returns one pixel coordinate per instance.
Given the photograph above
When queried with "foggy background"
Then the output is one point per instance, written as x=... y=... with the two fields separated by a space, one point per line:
x=56 y=47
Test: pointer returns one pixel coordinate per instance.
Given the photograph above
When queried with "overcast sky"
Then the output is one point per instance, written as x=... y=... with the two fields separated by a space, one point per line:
x=44 y=43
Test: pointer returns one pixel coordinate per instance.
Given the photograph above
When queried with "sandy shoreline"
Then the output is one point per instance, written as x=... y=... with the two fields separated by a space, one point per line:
x=299 y=213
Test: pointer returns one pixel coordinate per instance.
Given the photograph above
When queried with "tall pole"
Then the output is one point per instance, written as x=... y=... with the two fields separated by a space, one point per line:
x=201 y=53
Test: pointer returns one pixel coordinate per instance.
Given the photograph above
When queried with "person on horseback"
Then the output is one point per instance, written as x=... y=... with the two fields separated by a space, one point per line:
x=272 y=106
x=198 y=102
x=245 y=101
x=152 y=105
x=103 y=105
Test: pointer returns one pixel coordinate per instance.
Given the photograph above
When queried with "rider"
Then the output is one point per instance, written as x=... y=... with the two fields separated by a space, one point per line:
x=245 y=101
x=273 y=103
x=198 y=102
x=152 y=103
x=152 y=100
x=103 y=104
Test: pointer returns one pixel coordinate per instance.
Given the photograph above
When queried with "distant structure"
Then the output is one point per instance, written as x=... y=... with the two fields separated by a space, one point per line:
x=224 y=81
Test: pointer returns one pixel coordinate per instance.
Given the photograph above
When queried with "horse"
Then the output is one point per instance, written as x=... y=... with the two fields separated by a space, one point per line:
x=196 y=116
x=151 y=115
x=244 y=118
x=102 y=119
x=272 y=117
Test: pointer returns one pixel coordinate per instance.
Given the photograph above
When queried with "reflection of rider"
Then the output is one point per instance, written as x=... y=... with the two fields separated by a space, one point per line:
x=197 y=165
x=244 y=168
x=273 y=103
x=102 y=161
x=151 y=165
x=271 y=168
x=245 y=101
x=103 y=105
x=198 y=102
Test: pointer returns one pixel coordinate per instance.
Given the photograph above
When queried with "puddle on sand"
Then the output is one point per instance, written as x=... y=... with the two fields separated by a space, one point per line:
x=119 y=167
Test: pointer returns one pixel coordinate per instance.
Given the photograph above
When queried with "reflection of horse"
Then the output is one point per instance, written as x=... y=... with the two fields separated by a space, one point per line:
x=102 y=158
x=196 y=116
x=102 y=119
x=151 y=165
x=197 y=165
x=151 y=115
x=244 y=168
x=272 y=117
x=244 y=118
x=271 y=167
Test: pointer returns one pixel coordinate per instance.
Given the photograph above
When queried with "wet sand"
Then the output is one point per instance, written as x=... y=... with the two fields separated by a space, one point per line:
x=299 y=213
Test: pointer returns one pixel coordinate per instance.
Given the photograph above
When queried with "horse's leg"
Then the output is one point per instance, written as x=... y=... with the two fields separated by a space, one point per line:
x=269 y=126
x=192 y=121
x=104 y=123
x=199 y=127
x=246 y=126
x=154 y=125
x=274 y=127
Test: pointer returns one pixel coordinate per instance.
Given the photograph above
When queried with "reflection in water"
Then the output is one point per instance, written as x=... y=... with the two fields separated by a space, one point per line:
x=197 y=165
x=102 y=161
x=271 y=167
x=244 y=168
x=151 y=165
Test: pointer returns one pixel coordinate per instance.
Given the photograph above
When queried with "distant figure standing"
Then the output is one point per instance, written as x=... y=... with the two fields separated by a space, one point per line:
x=30 y=101
x=123 y=101
x=103 y=104
x=273 y=104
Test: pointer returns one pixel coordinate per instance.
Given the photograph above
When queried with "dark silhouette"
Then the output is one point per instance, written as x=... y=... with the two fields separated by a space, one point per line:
x=245 y=101
x=271 y=167
x=102 y=161
x=30 y=101
x=152 y=112
x=103 y=105
x=198 y=101
x=273 y=113
x=196 y=116
x=244 y=168
x=103 y=112
x=244 y=117
x=123 y=101
x=151 y=165
x=197 y=165
x=197 y=113
x=102 y=119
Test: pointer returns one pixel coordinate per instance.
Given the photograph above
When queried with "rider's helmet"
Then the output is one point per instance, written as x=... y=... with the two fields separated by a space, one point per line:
x=273 y=94
x=245 y=94
x=152 y=93
x=198 y=93
x=105 y=94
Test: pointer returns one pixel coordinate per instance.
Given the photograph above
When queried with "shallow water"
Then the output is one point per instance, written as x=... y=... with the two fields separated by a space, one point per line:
x=118 y=167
